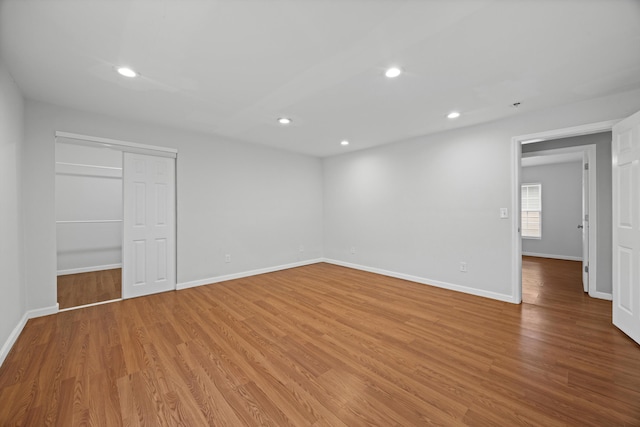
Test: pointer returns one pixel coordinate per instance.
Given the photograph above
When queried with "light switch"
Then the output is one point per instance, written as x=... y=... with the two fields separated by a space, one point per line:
x=504 y=213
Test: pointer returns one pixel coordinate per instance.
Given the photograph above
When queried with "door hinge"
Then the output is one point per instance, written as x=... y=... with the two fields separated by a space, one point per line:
x=586 y=268
x=586 y=166
x=586 y=217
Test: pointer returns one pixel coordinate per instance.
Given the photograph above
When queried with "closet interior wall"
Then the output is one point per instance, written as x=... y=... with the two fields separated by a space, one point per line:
x=88 y=208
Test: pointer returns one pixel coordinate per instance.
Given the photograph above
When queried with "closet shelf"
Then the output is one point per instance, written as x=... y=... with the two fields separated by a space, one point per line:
x=89 y=166
x=89 y=221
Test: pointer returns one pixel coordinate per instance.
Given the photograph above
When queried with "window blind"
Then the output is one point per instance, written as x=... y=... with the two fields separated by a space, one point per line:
x=532 y=211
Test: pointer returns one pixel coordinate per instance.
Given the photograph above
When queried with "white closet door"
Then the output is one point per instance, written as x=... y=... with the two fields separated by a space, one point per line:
x=149 y=264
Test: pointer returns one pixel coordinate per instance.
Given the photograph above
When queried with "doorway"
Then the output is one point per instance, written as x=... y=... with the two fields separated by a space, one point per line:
x=116 y=233
x=553 y=140
x=88 y=223
x=563 y=224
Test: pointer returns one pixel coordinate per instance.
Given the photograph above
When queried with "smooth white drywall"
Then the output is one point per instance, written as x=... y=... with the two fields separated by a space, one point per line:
x=12 y=290
x=604 y=201
x=561 y=210
x=85 y=192
x=255 y=203
x=420 y=207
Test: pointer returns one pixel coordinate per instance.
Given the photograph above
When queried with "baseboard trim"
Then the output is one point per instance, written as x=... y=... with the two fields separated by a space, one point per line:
x=563 y=257
x=13 y=337
x=77 y=307
x=45 y=311
x=217 y=279
x=601 y=295
x=88 y=269
x=425 y=281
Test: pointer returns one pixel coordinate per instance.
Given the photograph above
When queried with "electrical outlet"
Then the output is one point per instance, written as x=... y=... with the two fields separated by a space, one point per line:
x=227 y=258
x=463 y=266
x=353 y=250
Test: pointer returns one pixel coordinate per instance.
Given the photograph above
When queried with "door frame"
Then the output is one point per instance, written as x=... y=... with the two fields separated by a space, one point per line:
x=516 y=155
x=130 y=147
x=588 y=156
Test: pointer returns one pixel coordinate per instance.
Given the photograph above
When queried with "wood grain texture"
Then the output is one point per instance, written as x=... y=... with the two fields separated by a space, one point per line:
x=79 y=289
x=324 y=345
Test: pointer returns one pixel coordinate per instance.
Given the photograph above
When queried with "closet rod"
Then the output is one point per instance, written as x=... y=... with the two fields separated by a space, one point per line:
x=89 y=221
x=89 y=166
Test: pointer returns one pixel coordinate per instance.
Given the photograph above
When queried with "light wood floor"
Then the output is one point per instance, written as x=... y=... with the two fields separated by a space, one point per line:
x=87 y=288
x=555 y=283
x=323 y=345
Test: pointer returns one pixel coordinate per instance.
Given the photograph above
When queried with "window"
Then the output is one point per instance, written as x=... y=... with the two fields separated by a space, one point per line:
x=532 y=211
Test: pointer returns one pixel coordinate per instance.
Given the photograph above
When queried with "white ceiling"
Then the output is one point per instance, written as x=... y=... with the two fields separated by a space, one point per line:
x=232 y=67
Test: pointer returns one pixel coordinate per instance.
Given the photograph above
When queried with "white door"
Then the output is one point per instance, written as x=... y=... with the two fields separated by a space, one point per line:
x=148 y=248
x=626 y=226
x=585 y=223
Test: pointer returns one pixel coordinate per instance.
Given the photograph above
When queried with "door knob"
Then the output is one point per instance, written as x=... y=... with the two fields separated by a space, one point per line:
x=580 y=226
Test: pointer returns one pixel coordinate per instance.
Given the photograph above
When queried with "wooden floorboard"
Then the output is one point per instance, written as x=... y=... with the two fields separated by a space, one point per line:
x=79 y=289
x=324 y=345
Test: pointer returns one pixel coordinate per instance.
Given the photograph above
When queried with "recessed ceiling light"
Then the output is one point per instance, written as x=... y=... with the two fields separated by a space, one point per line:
x=127 y=72
x=344 y=142
x=453 y=115
x=284 y=120
x=393 y=72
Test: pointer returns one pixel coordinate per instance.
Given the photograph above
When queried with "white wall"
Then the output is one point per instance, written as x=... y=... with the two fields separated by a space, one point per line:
x=255 y=203
x=421 y=206
x=12 y=291
x=561 y=210
x=88 y=193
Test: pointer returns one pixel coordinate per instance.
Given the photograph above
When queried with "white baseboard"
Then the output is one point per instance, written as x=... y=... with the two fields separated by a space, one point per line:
x=45 y=311
x=13 y=337
x=425 y=281
x=201 y=282
x=88 y=269
x=93 y=304
x=601 y=295
x=564 y=257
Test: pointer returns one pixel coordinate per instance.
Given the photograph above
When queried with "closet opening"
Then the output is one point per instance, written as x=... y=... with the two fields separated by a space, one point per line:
x=115 y=220
x=88 y=223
